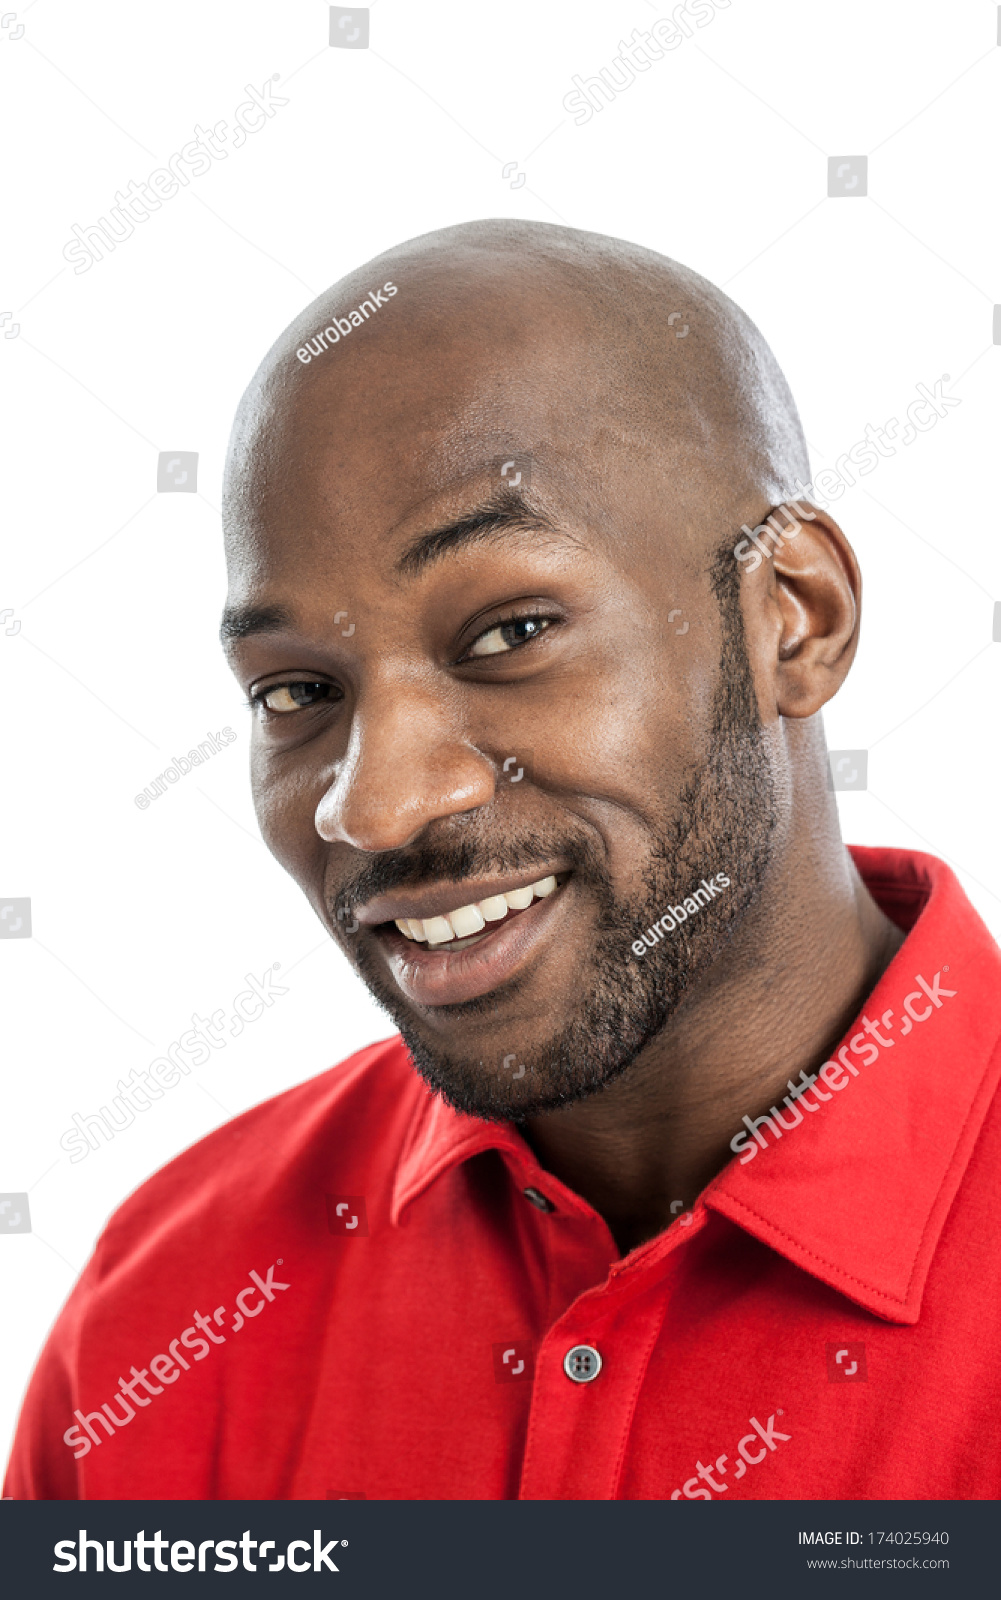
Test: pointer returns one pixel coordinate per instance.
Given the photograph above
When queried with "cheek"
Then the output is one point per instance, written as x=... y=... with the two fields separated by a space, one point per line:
x=285 y=806
x=611 y=707
x=643 y=731
x=616 y=752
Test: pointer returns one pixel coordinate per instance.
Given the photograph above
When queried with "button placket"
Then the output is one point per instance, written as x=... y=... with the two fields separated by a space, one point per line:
x=578 y=1429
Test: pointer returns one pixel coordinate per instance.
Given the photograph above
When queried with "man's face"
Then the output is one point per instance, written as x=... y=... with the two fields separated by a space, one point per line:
x=443 y=722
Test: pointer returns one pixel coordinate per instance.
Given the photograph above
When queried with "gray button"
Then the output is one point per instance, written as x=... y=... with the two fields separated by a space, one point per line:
x=582 y=1363
x=538 y=1199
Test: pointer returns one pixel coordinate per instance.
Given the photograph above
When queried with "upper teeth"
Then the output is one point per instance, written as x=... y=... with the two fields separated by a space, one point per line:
x=468 y=920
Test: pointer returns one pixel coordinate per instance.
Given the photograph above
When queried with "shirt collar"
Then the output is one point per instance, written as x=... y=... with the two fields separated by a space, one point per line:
x=439 y=1138
x=858 y=1193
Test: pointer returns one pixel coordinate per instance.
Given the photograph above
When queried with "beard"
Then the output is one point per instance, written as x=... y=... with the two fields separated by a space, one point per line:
x=723 y=822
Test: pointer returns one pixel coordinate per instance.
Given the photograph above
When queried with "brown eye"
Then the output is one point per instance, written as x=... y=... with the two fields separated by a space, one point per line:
x=285 y=697
x=504 y=636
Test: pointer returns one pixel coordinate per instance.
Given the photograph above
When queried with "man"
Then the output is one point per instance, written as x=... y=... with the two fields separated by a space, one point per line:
x=689 y=1195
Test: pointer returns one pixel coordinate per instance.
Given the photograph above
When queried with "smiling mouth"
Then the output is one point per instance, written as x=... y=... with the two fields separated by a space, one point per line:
x=469 y=924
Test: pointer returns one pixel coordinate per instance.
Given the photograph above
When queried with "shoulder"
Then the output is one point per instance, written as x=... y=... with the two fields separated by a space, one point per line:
x=342 y=1128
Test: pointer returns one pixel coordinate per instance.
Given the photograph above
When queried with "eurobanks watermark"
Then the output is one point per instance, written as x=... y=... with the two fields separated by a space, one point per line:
x=865 y=1046
x=180 y=766
x=339 y=327
x=831 y=482
x=193 y=1049
x=676 y=915
x=91 y=242
x=71 y=1554
x=589 y=95
x=82 y=1437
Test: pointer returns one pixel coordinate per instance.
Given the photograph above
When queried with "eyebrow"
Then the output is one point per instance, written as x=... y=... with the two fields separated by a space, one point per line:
x=508 y=513
x=238 y=622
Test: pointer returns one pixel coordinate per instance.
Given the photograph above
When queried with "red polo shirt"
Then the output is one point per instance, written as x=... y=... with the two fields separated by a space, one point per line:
x=352 y=1291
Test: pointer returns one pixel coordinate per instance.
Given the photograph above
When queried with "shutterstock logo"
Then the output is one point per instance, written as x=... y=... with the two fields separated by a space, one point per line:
x=72 y=1554
x=514 y=1361
x=349 y=27
x=846 y=1363
x=346 y=1215
x=177 y=472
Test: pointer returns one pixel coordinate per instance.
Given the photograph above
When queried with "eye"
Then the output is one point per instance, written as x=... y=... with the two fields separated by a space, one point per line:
x=284 y=697
x=506 y=636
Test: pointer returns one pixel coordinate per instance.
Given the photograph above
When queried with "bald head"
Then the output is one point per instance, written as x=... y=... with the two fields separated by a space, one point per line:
x=507 y=335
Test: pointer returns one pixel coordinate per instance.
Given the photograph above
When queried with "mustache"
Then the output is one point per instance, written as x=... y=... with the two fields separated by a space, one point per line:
x=451 y=860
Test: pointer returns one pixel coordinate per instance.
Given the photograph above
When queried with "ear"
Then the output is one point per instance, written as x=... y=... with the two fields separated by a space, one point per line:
x=802 y=606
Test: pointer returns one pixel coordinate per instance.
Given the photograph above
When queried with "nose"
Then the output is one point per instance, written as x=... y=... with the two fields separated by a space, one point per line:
x=407 y=764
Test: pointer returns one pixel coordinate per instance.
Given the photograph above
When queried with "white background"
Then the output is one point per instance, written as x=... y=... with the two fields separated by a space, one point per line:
x=716 y=155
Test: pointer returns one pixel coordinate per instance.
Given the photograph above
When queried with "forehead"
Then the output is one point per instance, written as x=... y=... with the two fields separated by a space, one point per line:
x=439 y=404
x=414 y=402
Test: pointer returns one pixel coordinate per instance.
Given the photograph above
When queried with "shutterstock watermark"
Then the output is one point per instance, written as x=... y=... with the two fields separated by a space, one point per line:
x=918 y=1006
x=91 y=242
x=339 y=327
x=82 y=1437
x=138 y=1091
x=180 y=766
x=831 y=482
x=750 y=1453
x=589 y=95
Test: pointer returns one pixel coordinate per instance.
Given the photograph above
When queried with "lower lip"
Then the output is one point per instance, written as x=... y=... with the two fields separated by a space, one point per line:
x=447 y=977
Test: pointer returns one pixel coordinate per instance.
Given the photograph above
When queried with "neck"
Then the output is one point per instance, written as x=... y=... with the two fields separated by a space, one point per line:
x=776 y=1001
